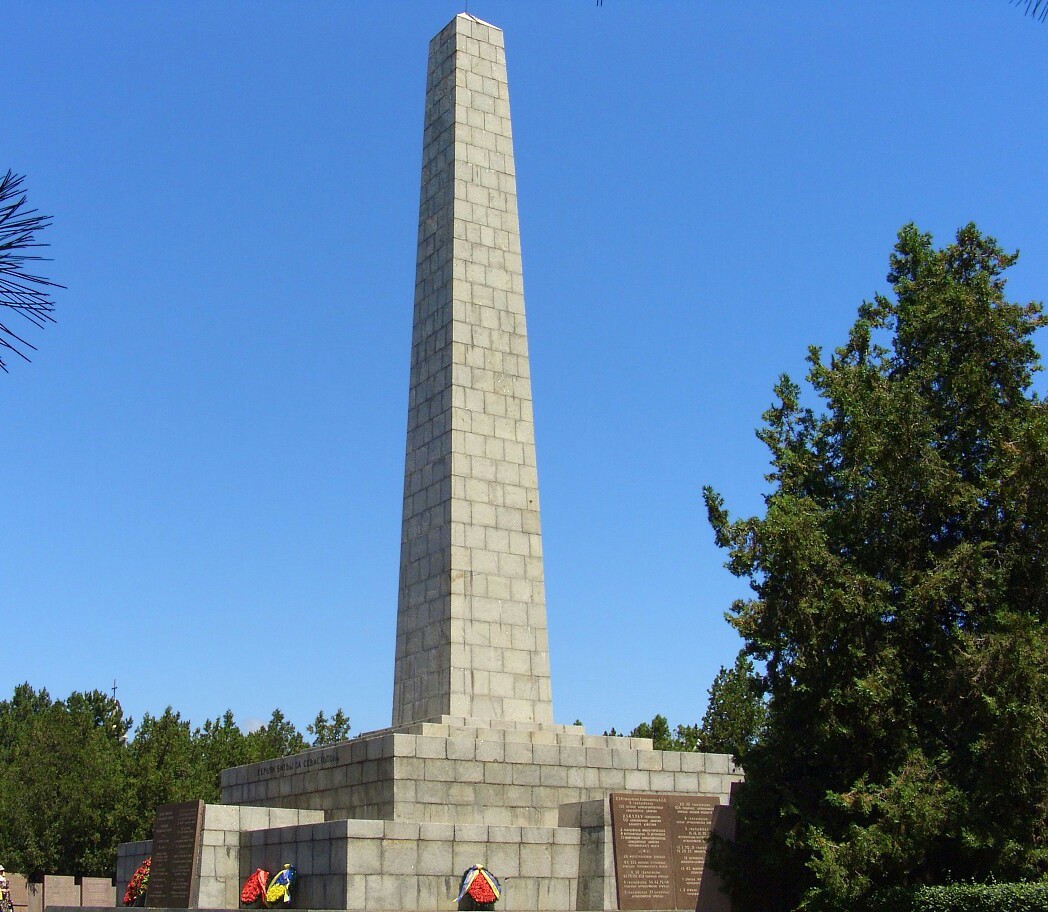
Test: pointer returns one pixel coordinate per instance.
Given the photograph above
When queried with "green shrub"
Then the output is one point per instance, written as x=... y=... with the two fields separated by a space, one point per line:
x=999 y=897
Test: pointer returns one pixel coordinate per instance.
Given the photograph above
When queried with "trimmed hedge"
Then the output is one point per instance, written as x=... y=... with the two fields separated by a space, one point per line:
x=1001 y=897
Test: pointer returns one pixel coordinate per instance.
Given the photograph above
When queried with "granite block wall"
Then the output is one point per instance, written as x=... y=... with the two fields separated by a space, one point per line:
x=220 y=841
x=392 y=865
x=451 y=774
x=471 y=615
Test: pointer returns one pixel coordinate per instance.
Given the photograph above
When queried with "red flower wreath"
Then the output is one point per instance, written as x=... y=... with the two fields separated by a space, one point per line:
x=138 y=884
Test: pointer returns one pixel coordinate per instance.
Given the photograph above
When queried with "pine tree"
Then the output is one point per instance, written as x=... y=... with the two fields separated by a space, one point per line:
x=899 y=600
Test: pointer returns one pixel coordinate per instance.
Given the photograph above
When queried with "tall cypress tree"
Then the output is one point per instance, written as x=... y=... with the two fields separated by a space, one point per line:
x=900 y=599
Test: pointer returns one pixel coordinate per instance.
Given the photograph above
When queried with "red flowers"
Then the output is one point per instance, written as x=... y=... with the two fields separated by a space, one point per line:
x=138 y=884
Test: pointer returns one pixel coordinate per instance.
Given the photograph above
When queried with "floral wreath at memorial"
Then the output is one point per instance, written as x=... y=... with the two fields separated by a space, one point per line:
x=279 y=889
x=260 y=890
x=138 y=885
x=480 y=885
x=254 y=891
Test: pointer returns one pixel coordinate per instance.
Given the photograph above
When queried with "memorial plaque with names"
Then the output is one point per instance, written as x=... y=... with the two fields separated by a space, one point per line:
x=176 y=854
x=660 y=848
x=98 y=892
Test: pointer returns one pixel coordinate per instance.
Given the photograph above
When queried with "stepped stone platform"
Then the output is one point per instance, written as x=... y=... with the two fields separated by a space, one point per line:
x=408 y=809
x=503 y=774
x=390 y=819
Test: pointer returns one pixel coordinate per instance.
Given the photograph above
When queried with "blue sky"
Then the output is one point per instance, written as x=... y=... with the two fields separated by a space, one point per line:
x=202 y=468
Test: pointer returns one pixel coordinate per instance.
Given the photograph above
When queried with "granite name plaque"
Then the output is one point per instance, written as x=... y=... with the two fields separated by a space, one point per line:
x=97 y=892
x=176 y=854
x=660 y=848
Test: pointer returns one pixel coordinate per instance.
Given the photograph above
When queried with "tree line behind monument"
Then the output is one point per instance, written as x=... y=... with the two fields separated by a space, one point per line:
x=73 y=784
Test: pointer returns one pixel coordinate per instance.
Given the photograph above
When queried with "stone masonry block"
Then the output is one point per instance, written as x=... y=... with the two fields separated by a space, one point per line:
x=355 y=894
x=400 y=855
x=638 y=781
x=670 y=760
x=437 y=831
x=625 y=760
x=221 y=817
x=568 y=836
x=304 y=857
x=692 y=762
x=569 y=815
x=525 y=774
x=208 y=869
x=572 y=755
x=536 y=835
x=685 y=782
x=254 y=818
x=434 y=857
x=518 y=752
x=401 y=829
x=498 y=773
x=652 y=760
x=365 y=856
x=526 y=891
x=404 y=745
x=465 y=854
x=599 y=757
x=491 y=751
x=440 y=770
x=503 y=858
x=410 y=768
x=536 y=859
x=710 y=784
x=380 y=892
x=365 y=829
x=553 y=776
x=662 y=781
x=471 y=833
x=469 y=771
x=546 y=754
x=718 y=763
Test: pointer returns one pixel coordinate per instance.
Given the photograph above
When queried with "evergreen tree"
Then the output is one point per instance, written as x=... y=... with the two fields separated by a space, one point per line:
x=900 y=600
x=72 y=786
x=278 y=738
x=61 y=784
x=218 y=745
x=17 y=713
x=331 y=731
x=682 y=738
x=161 y=769
x=735 y=713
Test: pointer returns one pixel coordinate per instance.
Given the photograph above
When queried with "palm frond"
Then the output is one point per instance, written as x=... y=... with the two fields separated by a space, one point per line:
x=1038 y=9
x=21 y=290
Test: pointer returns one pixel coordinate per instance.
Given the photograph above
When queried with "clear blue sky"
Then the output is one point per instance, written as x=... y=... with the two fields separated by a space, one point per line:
x=202 y=468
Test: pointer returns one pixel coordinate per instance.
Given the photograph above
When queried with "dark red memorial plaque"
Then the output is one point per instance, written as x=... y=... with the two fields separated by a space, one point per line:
x=176 y=854
x=660 y=848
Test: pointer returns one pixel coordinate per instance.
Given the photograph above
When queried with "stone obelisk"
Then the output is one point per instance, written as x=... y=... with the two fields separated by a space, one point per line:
x=474 y=769
x=471 y=615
